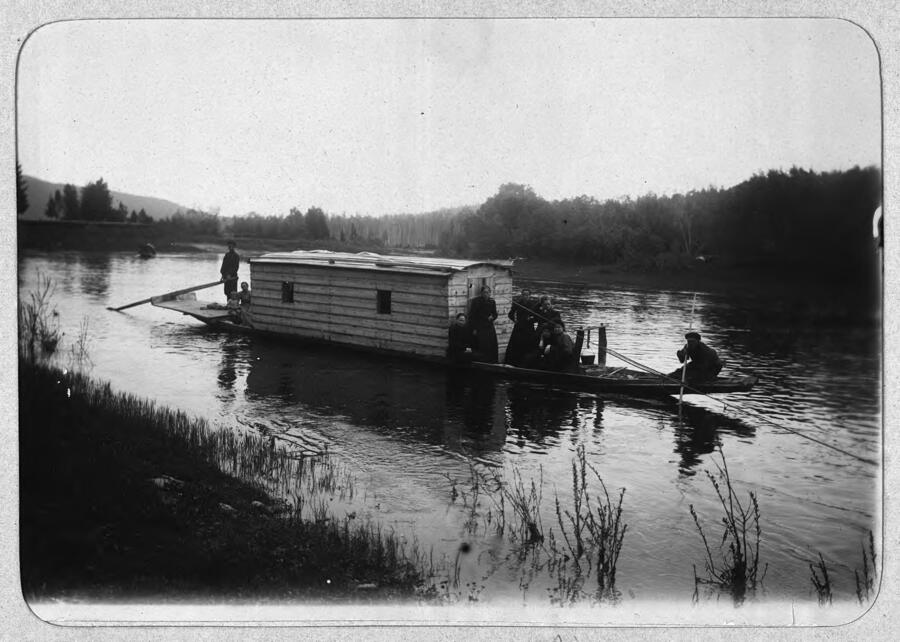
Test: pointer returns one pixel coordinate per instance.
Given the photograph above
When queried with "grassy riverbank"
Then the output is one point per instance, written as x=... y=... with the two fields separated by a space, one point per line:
x=122 y=501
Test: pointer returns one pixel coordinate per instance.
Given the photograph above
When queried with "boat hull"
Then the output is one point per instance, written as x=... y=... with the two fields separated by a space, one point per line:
x=597 y=379
x=626 y=382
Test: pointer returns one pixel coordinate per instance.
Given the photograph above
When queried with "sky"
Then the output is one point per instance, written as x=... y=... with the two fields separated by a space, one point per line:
x=390 y=116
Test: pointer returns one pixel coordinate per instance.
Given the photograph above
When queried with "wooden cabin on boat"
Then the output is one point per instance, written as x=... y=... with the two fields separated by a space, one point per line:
x=400 y=304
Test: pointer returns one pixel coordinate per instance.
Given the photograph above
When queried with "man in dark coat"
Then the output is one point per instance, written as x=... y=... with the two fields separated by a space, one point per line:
x=705 y=364
x=459 y=340
x=559 y=354
x=482 y=312
x=523 y=339
x=229 y=270
x=546 y=314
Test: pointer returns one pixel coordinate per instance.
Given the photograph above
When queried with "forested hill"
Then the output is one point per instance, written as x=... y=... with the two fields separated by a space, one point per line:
x=39 y=191
x=817 y=223
x=799 y=220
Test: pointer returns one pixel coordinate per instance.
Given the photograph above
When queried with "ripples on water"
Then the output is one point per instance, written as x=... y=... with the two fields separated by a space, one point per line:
x=405 y=430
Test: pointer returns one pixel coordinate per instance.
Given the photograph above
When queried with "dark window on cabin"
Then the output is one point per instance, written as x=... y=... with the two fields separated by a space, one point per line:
x=287 y=292
x=384 y=302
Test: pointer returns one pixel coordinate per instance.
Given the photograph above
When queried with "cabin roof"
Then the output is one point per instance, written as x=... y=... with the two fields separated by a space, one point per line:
x=377 y=262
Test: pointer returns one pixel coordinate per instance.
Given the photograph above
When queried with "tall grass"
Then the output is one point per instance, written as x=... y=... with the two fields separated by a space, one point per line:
x=583 y=543
x=280 y=471
x=524 y=500
x=592 y=530
x=821 y=581
x=79 y=352
x=39 y=332
x=300 y=487
x=865 y=583
x=865 y=586
x=736 y=567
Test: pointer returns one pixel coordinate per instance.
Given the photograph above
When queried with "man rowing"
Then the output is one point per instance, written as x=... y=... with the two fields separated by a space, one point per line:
x=704 y=364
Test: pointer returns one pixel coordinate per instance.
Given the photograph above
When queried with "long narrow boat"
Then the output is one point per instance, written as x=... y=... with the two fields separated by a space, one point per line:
x=399 y=306
x=618 y=380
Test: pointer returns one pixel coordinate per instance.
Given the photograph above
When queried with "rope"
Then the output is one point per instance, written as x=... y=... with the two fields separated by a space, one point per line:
x=725 y=406
x=753 y=414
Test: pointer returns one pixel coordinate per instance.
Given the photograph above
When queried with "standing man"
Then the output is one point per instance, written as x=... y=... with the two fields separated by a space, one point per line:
x=229 y=270
x=482 y=313
x=523 y=338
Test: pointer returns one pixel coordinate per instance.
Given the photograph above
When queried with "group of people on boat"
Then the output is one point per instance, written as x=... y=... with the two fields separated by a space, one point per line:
x=539 y=339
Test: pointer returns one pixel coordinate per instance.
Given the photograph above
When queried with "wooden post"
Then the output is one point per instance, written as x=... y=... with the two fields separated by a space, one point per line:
x=601 y=345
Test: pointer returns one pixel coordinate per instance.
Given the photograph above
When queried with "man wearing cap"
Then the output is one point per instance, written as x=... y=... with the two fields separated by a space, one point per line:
x=229 y=270
x=705 y=363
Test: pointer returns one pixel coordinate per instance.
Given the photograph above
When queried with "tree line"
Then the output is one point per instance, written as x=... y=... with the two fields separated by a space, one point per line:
x=797 y=219
x=296 y=225
x=94 y=203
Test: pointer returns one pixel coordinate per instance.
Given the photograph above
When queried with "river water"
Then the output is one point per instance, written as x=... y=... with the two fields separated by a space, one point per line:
x=409 y=433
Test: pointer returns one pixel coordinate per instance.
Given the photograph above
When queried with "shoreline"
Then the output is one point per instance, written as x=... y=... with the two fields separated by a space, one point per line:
x=123 y=500
x=713 y=278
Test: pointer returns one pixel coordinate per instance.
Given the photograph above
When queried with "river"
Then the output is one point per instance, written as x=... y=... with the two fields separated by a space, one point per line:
x=409 y=433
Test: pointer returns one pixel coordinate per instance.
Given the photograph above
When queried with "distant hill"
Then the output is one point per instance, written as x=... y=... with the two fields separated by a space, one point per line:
x=39 y=191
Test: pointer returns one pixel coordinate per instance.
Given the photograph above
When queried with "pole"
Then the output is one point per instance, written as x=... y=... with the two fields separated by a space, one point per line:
x=684 y=367
x=174 y=293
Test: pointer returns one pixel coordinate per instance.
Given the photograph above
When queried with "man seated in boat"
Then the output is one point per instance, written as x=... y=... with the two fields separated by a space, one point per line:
x=460 y=340
x=534 y=358
x=239 y=303
x=559 y=353
x=546 y=314
x=704 y=365
x=243 y=295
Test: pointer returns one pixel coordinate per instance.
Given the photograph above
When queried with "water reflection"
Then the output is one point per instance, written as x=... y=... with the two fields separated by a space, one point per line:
x=536 y=415
x=473 y=413
x=698 y=432
x=400 y=398
x=93 y=272
x=228 y=367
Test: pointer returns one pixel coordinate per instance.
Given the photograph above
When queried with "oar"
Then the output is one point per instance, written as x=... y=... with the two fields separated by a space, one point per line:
x=684 y=367
x=167 y=294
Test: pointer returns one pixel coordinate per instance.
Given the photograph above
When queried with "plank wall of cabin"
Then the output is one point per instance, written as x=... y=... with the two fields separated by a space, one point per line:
x=500 y=280
x=340 y=306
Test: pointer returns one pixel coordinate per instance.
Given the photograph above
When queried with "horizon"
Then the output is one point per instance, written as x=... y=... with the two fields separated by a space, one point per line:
x=448 y=207
x=412 y=116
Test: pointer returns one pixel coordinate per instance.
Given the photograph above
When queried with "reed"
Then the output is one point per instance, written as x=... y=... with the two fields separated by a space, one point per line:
x=592 y=531
x=821 y=581
x=79 y=353
x=865 y=586
x=584 y=543
x=39 y=332
x=525 y=503
x=737 y=568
